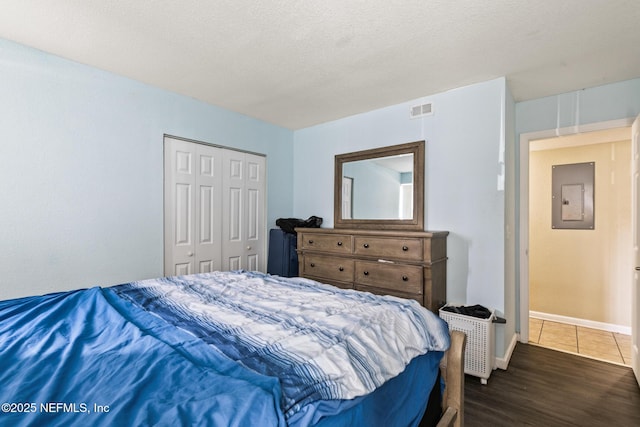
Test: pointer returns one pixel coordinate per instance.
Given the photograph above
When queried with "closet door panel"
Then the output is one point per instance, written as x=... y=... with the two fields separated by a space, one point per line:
x=182 y=269
x=209 y=209
x=244 y=214
x=253 y=263
x=183 y=215
x=233 y=189
x=179 y=209
x=206 y=218
x=234 y=209
x=256 y=213
x=235 y=263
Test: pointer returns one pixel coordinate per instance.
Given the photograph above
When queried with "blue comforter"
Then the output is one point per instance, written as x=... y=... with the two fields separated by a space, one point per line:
x=250 y=350
x=79 y=358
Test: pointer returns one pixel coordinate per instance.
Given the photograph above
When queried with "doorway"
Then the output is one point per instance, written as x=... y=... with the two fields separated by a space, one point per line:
x=530 y=332
x=579 y=284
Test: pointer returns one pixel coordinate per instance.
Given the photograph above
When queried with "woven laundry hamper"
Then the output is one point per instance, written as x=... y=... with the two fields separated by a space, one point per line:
x=480 y=348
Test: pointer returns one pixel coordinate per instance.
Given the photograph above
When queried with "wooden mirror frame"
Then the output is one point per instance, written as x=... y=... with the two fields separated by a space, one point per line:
x=417 y=220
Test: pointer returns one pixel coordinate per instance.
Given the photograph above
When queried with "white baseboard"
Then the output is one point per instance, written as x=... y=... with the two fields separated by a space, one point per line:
x=610 y=327
x=503 y=362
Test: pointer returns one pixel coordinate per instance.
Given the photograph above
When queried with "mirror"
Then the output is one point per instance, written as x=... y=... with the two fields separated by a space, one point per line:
x=382 y=188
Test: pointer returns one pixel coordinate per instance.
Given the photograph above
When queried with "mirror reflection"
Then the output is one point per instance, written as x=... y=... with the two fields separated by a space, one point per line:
x=378 y=188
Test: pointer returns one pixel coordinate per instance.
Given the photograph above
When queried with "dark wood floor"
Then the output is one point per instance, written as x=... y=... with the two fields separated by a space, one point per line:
x=544 y=387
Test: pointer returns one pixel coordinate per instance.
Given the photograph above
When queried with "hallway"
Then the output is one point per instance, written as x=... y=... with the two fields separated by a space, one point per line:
x=593 y=343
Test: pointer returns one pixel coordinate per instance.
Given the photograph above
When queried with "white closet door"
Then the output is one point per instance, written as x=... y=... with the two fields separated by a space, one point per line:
x=243 y=220
x=179 y=207
x=193 y=212
x=208 y=209
x=256 y=213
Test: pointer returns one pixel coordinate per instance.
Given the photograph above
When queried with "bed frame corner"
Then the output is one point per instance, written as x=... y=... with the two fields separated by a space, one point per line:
x=452 y=370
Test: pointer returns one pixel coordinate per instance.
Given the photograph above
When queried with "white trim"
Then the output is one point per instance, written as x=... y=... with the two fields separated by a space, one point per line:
x=523 y=250
x=503 y=362
x=610 y=327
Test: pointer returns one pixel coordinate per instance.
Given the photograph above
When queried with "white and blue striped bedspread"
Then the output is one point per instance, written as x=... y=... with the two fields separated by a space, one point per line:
x=321 y=341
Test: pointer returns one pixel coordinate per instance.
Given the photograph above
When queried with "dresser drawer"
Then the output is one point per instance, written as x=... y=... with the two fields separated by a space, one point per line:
x=398 y=277
x=329 y=267
x=337 y=243
x=407 y=249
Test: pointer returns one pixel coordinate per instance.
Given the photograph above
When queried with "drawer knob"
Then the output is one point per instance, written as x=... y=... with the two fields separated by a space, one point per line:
x=366 y=245
x=405 y=278
x=405 y=248
x=366 y=273
x=341 y=268
x=312 y=264
x=311 y=242
x=339 y=243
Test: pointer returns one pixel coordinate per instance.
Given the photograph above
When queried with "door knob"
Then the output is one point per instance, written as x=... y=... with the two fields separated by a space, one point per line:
x=189 y=253
x=248 y=248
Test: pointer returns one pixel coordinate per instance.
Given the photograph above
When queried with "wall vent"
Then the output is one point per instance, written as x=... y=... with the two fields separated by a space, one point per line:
x=421 y=110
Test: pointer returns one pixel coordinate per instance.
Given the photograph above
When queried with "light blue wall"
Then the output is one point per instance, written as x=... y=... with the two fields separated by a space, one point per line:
x=461 y=184
x=598 y=104
x=81 y=170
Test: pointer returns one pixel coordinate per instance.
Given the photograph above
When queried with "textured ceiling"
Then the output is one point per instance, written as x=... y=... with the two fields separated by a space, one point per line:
x=298 y=63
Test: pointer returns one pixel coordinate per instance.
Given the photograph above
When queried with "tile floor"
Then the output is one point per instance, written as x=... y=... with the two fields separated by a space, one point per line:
x=594 y=343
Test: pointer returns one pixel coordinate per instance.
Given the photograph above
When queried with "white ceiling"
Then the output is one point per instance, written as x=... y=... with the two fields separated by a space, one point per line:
x=297 y=63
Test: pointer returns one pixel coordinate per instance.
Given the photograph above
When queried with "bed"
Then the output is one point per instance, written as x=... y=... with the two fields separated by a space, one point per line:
x=226 y=349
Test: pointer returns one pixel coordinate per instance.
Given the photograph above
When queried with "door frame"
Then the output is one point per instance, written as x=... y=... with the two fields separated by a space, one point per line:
x=523 y=246
x=635 y=295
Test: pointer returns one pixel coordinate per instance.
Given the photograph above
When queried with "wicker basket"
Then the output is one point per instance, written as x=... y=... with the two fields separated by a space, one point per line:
x=480 y=349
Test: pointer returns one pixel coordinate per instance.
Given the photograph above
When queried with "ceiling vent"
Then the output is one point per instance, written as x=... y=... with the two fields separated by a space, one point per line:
x=421 y=110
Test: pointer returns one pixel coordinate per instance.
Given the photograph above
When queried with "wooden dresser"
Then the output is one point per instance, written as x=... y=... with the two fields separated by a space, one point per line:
x=407 y=264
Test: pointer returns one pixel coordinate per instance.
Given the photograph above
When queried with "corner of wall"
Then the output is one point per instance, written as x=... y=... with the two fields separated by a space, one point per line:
x=503 y=362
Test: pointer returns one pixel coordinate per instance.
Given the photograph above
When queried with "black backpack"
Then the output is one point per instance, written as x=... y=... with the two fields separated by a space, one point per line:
x=289 y=224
